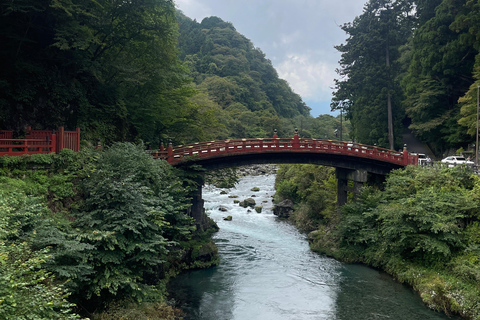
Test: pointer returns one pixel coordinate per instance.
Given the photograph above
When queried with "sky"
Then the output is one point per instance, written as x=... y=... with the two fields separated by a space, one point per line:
x=297 y=36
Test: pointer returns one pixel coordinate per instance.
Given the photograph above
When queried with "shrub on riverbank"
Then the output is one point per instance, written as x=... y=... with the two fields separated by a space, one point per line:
x=423 y=229
x=312 y=189
x=116 y=227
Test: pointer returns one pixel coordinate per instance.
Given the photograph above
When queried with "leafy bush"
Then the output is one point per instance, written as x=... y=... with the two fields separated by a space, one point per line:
x=424 y=229
x=27 y=290
x=132 y=211
x=313 y=191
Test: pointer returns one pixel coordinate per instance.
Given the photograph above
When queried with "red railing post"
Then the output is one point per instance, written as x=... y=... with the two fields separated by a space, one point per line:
x=60 y=138
x=170 y=153
x=275 y=139
x=296 y=140
x=53 y=144
x=77 y=140
x=405 y=155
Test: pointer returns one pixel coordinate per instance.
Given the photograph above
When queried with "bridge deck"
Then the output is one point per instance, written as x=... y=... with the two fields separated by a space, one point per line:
x=223 y=149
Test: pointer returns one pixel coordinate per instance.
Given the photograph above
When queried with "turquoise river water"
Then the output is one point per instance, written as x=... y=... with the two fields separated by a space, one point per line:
x=268 y=272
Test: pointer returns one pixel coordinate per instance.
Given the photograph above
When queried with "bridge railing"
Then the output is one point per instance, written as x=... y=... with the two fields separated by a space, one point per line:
x=261 y=145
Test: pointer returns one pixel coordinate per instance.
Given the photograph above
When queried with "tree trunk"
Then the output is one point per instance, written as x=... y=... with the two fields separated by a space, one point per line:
x=389 y=105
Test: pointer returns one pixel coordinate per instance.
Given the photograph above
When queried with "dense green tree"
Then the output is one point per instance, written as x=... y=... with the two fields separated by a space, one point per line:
x=468 y=24
x=368 y=90
x=440 y=71
x=109 y=68
x=134 y=208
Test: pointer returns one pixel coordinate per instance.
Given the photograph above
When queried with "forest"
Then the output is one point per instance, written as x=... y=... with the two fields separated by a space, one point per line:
x=96 y=232
x=417 y=63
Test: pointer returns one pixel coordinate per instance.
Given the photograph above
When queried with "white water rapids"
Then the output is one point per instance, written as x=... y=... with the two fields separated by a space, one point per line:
x=268 y=272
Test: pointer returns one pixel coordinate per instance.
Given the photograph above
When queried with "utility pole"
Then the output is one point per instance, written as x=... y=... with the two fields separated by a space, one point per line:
x=476 y=138
x=341 y=125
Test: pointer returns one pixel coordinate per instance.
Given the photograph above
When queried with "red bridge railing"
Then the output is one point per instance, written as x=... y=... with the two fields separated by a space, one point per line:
x=39 y=141
x=204 y=150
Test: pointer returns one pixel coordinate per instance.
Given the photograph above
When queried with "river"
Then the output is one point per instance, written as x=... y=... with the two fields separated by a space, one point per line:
x=267 y=272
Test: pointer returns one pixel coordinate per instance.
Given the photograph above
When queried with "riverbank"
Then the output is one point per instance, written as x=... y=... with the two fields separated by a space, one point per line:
x=422 y=229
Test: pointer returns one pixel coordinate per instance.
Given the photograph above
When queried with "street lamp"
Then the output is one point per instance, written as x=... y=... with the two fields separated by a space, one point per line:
x=476 y=138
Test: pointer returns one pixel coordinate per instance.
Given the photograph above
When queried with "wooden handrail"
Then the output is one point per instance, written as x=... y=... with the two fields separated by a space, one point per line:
x=212 y=149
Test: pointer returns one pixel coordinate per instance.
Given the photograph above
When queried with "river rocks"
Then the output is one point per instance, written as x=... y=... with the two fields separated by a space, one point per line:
x=283 y=209
x=228 y=218
x=255 y=170
x=222 y=208
x=223 y=192
x=258 y=209
x=233 y=197
x=255 y=189
x=249 y=202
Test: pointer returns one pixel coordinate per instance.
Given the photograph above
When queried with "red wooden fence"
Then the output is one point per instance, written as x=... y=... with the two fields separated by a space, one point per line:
x=39 y=141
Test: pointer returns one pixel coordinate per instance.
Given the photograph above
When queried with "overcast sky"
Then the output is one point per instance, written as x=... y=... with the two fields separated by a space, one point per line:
x=298 y=36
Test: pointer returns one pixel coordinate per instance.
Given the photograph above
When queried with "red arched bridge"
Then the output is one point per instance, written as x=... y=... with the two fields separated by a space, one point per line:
x=229 y=153
x=353 y=162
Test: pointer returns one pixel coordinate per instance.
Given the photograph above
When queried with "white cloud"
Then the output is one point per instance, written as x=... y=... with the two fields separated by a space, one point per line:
x=194 y=9
x=287 y=39
x=308 y=75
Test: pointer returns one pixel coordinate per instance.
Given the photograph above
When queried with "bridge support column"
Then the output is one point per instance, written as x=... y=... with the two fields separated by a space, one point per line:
x=196 y=210
x=349 y=181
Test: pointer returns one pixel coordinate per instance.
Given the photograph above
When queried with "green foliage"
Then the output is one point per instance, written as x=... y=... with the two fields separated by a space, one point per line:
x=27 y=290
x=440 y=68
x=313 y=191
x=222 y=178
x=423 y=228
x=144 y=311
x=52 y=176
x=418 y=217
x=370 y=57
x=132 y=211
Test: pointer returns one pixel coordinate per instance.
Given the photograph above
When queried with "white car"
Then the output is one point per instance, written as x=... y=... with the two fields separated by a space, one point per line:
x=457 y=160
x=422 y=158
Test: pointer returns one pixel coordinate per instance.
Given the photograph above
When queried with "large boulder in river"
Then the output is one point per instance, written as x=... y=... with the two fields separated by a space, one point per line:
x=249 y=202
x=283 y=209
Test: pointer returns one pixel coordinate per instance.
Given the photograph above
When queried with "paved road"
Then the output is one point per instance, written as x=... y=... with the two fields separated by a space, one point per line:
x=415 y=145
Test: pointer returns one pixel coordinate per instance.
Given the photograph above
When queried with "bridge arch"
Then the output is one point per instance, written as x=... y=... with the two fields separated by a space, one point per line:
x=353 y=162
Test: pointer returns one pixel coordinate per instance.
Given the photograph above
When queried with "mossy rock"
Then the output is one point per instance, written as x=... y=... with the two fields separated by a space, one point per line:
x=233 y=197
x=223 y=192
x=255 y=189
x=258 y=209
x=228 y=218
x=248 y=203
x=236 y=201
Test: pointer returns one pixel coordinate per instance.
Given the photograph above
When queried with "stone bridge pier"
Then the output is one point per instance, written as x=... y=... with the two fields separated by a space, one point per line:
x=349 y=180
